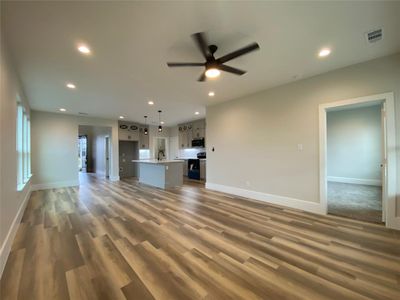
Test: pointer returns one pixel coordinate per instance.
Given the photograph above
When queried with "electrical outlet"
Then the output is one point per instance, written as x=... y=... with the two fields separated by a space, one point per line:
x=300 y=147
x=247 y=183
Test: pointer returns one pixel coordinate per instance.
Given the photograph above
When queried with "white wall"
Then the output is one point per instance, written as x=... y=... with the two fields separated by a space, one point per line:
x=11 y=201
x=354 y=145
x=55 y=151
x=257 y=137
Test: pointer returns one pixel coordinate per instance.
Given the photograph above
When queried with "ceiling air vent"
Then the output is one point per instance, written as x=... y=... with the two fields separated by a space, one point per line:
x=374 y=35
x=83 y=113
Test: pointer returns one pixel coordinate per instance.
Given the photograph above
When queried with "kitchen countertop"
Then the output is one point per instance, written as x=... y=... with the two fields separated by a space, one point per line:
x=185 y=158
x=155 y=161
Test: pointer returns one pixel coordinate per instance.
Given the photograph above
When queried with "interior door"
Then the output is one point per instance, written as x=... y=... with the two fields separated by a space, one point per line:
x=384 y=161
x=107 y=157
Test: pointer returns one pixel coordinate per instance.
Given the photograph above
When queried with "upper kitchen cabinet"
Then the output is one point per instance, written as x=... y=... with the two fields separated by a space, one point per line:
x=185 y=136
x=129 y=131
x=143 y=138
x=199 y=129
x=191 y=131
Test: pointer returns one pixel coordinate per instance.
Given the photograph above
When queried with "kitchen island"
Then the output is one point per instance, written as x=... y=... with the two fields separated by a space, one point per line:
x=163 y=174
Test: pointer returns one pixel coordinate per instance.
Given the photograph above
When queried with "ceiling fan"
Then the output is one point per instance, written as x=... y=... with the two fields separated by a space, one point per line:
x=213 y=66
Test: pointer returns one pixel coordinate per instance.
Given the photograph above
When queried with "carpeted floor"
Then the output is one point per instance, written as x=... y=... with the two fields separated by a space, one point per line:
x=360 y=202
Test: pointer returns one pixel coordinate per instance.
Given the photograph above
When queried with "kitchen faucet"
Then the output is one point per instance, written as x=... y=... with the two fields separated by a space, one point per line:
x=158 y=155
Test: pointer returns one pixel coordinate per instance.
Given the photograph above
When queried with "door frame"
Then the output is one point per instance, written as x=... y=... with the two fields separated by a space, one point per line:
x=388 y=183
x=107 y=149
x=87 y=150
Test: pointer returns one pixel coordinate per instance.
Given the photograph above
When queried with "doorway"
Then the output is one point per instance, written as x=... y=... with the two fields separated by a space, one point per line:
x=354 y=162
x=83 y=153
x=388 y=154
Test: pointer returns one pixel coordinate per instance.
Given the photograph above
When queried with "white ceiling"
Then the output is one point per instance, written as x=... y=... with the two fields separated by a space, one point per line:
x=132 y=41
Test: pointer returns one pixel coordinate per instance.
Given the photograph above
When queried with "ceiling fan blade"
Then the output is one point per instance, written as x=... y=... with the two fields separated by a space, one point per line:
x=201 y=43
x=173 y=64
x=202 y=77
x=231 y=70
x=237 y=53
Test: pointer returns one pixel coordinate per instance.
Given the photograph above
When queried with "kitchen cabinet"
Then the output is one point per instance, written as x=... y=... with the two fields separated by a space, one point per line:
x=128 y=131
x=202 y=169
x=189 y=131
x=185 y=168
x=199 y=130
x=143 y=139
x=185 y=136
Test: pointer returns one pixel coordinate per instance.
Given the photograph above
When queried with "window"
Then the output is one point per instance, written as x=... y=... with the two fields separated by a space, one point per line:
x=23 y=147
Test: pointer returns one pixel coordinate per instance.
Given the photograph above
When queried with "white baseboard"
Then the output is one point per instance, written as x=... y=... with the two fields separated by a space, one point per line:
x=375 y=182
x=6 y=247
x=313 y=207
x=54 y=185
x=114 y=178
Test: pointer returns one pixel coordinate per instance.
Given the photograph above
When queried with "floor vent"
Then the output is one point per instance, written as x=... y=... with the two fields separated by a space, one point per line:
x=374 y=35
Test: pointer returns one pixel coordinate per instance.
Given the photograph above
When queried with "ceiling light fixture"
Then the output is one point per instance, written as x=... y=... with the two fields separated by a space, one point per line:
x=212 y=73
x=211 y=94
x=84 y=49
x=196 y=113
x=150 y=103
x=71 y=85
x=159 y=120
x=121 y=117
x=62 y=109
x=146 y=132
x=162 y=122
x=324 y=52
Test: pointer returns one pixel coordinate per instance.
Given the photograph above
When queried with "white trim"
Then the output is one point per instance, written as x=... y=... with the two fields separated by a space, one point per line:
x=390 y=197
x=375 y=182
x=114 y=178
x=269 y=198
x=54 y=185
x=6 y=247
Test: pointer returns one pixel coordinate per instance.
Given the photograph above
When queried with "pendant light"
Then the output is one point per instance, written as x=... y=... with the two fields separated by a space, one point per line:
x=159 y=121
x=145 y=126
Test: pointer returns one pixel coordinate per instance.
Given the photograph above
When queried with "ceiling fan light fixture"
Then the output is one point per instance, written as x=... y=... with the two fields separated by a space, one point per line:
x=212 y=73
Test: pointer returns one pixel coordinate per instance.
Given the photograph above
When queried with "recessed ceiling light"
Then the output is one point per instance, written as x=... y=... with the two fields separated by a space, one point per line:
x=212 y=73
x=150 y=103
x=84 y=49
x=162 y=122
x=62 y=109
x=71 y=86
x=324 y=52
x=211 y=94
x=196 y=113
x=121 y=117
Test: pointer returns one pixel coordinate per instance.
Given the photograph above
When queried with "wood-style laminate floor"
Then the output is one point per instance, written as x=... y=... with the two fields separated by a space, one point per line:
x=117 y=240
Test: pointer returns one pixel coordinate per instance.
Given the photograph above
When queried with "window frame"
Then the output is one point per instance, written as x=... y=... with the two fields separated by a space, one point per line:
x=23 y=147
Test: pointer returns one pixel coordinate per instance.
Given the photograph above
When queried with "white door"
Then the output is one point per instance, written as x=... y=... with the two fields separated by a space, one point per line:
x=384 y=161
x=107 y=157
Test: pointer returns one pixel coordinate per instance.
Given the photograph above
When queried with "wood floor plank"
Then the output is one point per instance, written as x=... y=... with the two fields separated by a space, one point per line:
x=124 y=240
